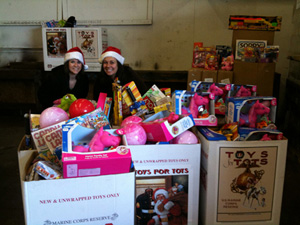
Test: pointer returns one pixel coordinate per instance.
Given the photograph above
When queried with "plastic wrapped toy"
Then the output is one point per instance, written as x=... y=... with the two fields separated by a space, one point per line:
x=99 y=142
x=250 y=119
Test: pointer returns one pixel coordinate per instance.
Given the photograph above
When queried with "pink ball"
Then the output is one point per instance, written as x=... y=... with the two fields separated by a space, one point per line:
x=51 y=116
x=187 y=137
x=134 y=133
x=131 y=119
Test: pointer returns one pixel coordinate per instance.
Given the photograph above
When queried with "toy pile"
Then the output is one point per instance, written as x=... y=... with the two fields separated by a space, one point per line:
x=212 y=58
x=241 y=115
x=76 y=135
x=87 y=133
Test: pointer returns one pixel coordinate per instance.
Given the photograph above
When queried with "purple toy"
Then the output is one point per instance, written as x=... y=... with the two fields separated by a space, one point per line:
x=99 y=142
x=187 y=137
x=250 y=119
x=134 y=133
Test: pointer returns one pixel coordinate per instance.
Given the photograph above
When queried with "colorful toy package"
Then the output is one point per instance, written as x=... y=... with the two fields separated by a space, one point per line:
x=200 y=105
x=253 y=111
x=270 y=54
x=246 y=22
x=221 y=92
x=132 y=101
x=253 y=134
x=154 y=98
x=82 y=164
x=249 y=50
x=243 y=90
x=118 y=112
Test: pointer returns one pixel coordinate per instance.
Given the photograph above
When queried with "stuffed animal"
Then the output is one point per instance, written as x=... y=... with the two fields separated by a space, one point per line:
x=65 y=102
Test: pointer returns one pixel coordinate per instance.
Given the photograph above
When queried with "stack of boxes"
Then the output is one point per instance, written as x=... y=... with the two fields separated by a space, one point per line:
x=254 y=73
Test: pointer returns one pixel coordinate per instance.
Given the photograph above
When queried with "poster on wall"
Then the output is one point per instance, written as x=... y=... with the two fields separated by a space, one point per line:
x=167 y=183
x=246 y=183
x=56 y=42
x=92 y=41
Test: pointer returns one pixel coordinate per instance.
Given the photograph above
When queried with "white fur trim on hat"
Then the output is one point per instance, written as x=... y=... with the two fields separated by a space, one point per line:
x=112 y=54
x=161 y=192
x=75 y=55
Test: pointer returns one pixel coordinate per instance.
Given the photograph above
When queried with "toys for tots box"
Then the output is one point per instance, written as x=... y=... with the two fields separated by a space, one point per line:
x=107 y=199
x=242 y=182
x=172 y=170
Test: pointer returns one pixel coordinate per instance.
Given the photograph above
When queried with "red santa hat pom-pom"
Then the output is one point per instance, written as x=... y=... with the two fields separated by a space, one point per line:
x=76 y=53
x=112 y=52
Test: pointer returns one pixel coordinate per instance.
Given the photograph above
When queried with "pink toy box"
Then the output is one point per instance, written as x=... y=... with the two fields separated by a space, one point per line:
x=161 y=130
x=182 y=99
x=221 y=92
x=237 y=106
x=78 y=164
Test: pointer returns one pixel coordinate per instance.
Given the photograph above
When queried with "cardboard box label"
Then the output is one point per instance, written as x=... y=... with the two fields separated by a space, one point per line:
x=176 y=169
x=246 y=183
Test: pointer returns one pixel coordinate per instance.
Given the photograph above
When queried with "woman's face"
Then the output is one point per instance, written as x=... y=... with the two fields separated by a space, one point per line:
x=75 y=66
x=110 y=66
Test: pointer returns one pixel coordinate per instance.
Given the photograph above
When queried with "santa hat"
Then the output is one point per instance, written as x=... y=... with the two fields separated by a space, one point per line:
x=160 y=191
x=112 y=52
x=76 y=53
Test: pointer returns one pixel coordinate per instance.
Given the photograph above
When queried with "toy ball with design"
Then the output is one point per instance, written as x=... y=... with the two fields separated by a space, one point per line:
x=51 y=116
x=134 y=133
x=80 y=107
x=131 y=119
x=187 y=137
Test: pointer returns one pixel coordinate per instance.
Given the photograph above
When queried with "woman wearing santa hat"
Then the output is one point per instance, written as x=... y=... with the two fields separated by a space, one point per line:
x=114 y=70
x=68 y=78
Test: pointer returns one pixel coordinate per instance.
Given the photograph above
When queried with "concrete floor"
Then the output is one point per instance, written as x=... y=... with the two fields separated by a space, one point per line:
x=11 y=212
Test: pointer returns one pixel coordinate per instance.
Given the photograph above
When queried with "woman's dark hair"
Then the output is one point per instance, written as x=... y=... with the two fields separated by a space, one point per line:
x=67 y=70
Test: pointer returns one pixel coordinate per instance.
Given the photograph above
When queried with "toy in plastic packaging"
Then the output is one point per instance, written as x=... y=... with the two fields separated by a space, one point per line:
x=48 y=170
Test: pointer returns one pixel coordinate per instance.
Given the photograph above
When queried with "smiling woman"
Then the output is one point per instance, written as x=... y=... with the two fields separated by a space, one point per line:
x=68 y=78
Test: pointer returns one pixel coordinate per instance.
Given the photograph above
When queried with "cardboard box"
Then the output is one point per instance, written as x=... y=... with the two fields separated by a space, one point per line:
x=86 y=200
x=194 y=74
x=259 y=74
x=82 y=164
x=174 y=167
x=210 y=75
x=225 y=77
x=230 y=170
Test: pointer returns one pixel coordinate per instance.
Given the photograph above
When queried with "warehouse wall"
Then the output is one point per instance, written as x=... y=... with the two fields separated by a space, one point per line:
x=167 y=43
